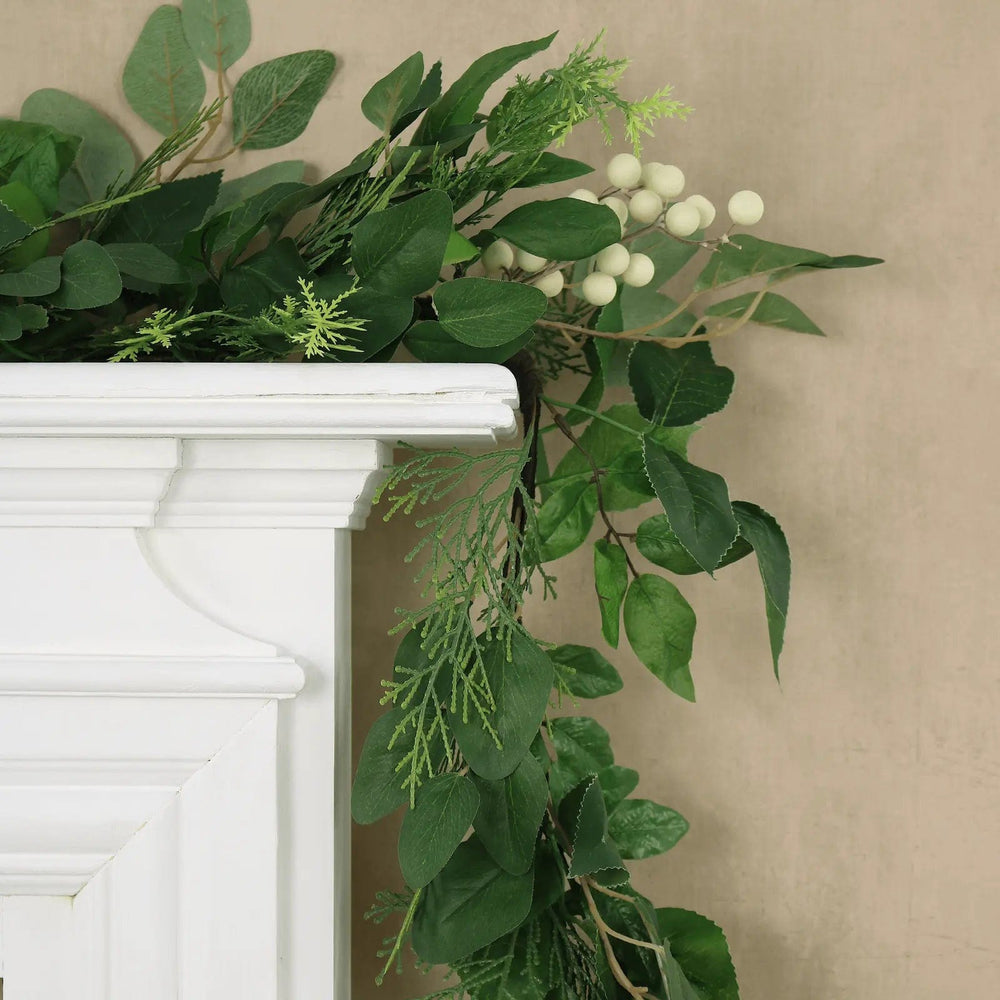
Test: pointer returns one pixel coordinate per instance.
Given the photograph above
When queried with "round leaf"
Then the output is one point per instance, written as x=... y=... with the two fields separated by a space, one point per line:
x=378 y=786
x=218 y=30
x=41 y=277
x=510 y=813
x=90 y=278
x=485 y=313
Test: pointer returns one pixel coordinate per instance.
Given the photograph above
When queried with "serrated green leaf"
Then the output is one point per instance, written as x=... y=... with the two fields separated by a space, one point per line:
x=611 y=582
x=392 y=96
x=584 y=816
x=32 y=317
x=20 y=213
x=764 y=533
x=273 y=101
x=696 y=503
x=520 y=687
x=617 y=783
x=429 y=341
x=41 y=277
x=510 y=813
x=13 y=229
x=656 y=540
x=146 y=262
x=470 y=904
x=90 y=278
x=432 y=830
x=642 y=828
x=700 y=949
x=674 y=387
x=565 y=519
x=584 y=672
x=10 y=323
x=660 y=627
x=553 y=169
x=163 y=81
x=561 y=229
x=772 y=310
x=217 y=30
x=485 y=313
x=747 y=256
x=105 y=154
x=582 y=747
x=400 y=251
x=461 y=101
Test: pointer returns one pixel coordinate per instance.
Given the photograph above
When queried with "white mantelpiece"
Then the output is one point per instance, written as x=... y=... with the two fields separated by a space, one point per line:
x=174 y=665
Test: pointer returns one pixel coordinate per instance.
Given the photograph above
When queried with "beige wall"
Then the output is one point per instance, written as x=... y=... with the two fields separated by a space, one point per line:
x=845 y=828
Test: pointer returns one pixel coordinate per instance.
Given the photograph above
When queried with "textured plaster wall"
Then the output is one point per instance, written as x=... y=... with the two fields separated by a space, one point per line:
x=845 y=827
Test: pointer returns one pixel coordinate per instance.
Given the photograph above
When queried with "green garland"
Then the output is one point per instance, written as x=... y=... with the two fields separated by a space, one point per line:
x=405 y=248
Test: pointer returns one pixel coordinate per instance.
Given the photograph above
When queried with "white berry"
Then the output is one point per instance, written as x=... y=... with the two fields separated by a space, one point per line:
x=682 y=219
x=529 y=263
x=639 y=272
x=664 y=179
x=612 y=260
x=645 y=206
x=705 y=209
x=618 y=207
x=550 y=284
x=584 y=194
x=599 y=289
x=498 y=256
x=746 y=208
x=624 y=170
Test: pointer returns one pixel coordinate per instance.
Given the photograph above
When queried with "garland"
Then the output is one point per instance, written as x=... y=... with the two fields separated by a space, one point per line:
x=518 y=822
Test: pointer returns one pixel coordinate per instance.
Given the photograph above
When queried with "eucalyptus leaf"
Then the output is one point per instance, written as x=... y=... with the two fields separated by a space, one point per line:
x=90 y=278
x=431 y=831
x=470 y=904
x=485 y=313
x=217 y=30
x=772 y=310
x=10 y=323
x=611 y=582
x=239 y=189
x=32 y=317
x=273 y=101
x=584 y=672
x=390 y=98
x=510 y=813
x=378 y=784
x=561 y=229
x=41 y=277
x=660 y=627
x=520 y=688
x=696 y=503
x=163 y=81
x=430 y=341
x=763 y=532
x=642 y=828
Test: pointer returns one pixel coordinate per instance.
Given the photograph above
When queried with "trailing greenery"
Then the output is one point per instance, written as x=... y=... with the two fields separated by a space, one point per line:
x=519 y=827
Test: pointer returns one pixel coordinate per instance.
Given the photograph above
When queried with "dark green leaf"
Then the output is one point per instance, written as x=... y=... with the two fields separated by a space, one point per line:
x=234 y=231
x=617 y=783
x=32 y=317
x=166 y=216
x=146 y=262
x=585 y=818
x=239 y=189
x=520 y=687
x=378 y=785
x=565 y=519
x=764 y=533
x=41 y=277
x=747 y=256
x=656 y=540
x=268 y=275
x=461 y=101
x=553 y=169
x=400 y=250
x=642 y=307
x=660 y=626
x=696 y=503
x=668 y=255
x=105 y=154
x=772 y=310
x=429 y=341
x=584 y=672
x=391 y=97
x=163 y=81
x=485 y=313
x=611 y=582
x=845 y=260
x=429 y=92
x=589 y=399
x=562 y=229
x=273 y=101
x=13 y=229
x=470 y=904
x=89 y=278
x=41 y=171
x=677 y=386
x=510 y=813
x=10 y=323
x=431 y=831
x=700 y=949
x=643 y=829
x=218 y=30
x=582 y=746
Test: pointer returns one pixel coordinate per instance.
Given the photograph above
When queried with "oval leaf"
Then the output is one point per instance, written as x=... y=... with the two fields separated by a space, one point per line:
x=90 y=278
x=611 y=582
x=218 y=30
x=485 y=313
x=562 y=229
x=701 y=951
x=273 y=102
x=163 y=81
x=656 y=540
x=378 y=784
x=429 y=341
x=584 y=672
x=41 y=277
x=432 y=830
x=10 y=323
x=390 y=97
x=643 y=829
x=510 y=813
x=565 y=519
x=146 y=262
x=660 y=627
